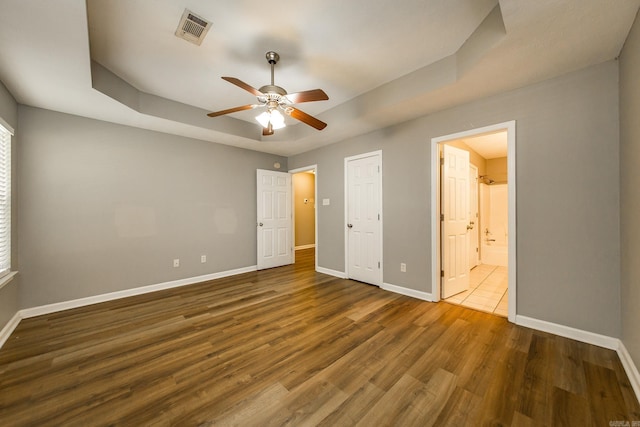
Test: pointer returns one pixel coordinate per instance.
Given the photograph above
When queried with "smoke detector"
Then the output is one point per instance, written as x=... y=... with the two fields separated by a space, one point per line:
x=192 y=27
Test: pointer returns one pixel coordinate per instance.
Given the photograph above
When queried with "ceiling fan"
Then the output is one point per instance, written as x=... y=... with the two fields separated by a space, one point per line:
x=276 y=99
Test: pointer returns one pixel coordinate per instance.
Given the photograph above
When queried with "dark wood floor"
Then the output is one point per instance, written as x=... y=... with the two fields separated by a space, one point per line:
x=289 y=346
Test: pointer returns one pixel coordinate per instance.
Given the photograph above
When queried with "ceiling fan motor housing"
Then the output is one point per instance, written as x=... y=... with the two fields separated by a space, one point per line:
x=273 y=90
x=273 y=96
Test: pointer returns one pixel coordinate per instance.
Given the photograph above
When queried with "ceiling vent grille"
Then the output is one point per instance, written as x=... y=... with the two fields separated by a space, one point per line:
x=192 y=27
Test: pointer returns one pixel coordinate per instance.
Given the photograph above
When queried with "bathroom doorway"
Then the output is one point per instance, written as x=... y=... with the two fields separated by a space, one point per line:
x=475 y=215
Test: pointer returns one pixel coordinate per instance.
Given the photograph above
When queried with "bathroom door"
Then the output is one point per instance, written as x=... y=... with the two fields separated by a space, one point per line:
x=455 y=221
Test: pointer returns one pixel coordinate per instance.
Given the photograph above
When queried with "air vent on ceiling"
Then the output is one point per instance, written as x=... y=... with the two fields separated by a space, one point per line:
x=192 y=27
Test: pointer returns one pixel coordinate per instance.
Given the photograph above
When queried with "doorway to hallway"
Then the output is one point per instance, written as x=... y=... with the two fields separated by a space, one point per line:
x=305 y=214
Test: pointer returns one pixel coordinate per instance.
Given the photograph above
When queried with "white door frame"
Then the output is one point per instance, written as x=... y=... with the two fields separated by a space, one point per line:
x=510 y=127
x=313 y=168
x=346 y=212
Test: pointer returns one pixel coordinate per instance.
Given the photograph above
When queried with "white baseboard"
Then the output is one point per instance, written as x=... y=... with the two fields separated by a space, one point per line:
x=8 y=329
x=408 y=292
x=81 y=302
x=569 y=332
x=340 y=274
x=630 y=368
x=312 y=245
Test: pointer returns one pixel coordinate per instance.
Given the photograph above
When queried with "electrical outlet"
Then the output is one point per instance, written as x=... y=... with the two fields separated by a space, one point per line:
x=203 y=258
x=403 y=267
x=176 y=262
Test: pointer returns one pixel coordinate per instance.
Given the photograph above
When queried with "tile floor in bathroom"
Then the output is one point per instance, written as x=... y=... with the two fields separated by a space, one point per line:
x=487 y=290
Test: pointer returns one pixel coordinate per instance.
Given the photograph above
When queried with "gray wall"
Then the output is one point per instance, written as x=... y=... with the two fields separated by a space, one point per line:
x=567 y=195
x=9 y=303
x=106 y=207
x=630 y=191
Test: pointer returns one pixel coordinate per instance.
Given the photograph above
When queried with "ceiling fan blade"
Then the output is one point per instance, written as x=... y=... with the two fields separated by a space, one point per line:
x=231 y=110
x=307 y=96
x=243 y=85
x=306 y=118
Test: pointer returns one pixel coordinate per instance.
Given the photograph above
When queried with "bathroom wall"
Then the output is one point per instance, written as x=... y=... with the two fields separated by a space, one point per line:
x=497 y=169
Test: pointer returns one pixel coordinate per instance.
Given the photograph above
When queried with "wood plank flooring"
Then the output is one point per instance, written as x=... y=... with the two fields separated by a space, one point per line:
x=290 y=346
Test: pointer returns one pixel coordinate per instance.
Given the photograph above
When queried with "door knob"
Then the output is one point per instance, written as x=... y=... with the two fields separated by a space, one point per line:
x=260 y=224
x=470 y=226
x=350 y=225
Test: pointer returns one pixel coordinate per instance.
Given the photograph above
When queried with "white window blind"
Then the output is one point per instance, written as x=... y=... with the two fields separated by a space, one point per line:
x=5 y=201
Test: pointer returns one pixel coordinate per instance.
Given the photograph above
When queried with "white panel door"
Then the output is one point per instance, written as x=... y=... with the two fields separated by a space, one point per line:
x=274 y=219
x=455 y=210
x=474 y=236
x=363 y=219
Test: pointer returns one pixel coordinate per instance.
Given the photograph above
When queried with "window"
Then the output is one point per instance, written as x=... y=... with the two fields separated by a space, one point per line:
x=5 y=201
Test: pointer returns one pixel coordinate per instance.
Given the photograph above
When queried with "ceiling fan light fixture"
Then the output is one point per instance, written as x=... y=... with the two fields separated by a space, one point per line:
x=274 y=117
x=263 y=119
x=277 y=119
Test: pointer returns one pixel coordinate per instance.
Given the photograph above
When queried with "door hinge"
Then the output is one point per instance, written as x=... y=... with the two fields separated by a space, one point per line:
x=441 y=217
x=378 y=217
x=441 y=273
x=442 y=160
x=378 y=264
x=378 y=169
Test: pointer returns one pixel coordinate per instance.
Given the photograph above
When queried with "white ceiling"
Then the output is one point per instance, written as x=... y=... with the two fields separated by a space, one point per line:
x=344 y=47
x=380 y=62
x=490 y=146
